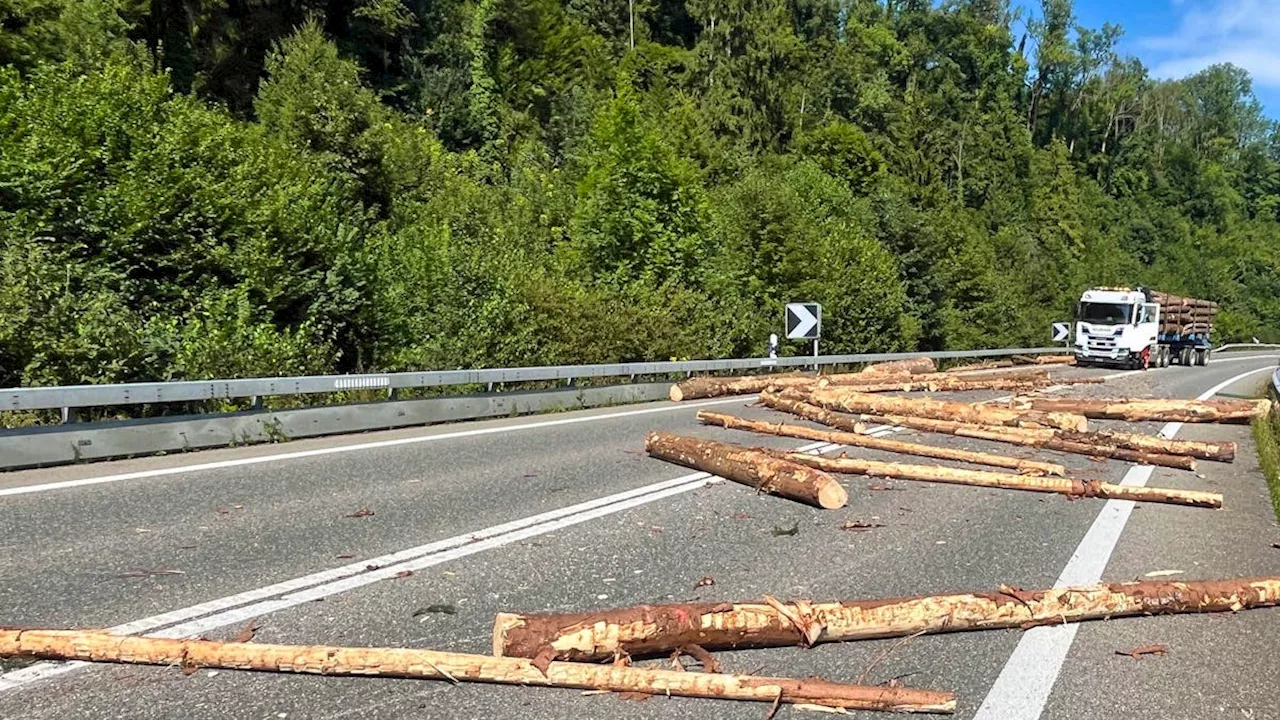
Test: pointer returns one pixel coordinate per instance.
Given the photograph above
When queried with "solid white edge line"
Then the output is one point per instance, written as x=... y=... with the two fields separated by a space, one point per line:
x=256 y=460
x=1024 y=685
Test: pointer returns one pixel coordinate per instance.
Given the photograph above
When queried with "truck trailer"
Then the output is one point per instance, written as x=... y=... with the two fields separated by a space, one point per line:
x=1142 y=328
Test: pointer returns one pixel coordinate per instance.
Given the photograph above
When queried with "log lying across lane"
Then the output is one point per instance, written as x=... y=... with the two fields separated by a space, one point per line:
x=707 y=387
x=94 y=646
x=1137 y=410
x=851 y=401
x=754 y=467
x=856 y=439
x=1071 y=487
x=911 y=366
x=947 y=383
x=1127 y=447
x=660 y=629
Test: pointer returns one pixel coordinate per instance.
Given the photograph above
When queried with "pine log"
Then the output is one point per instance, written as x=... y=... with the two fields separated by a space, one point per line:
x=762 y=471
x=854 y=439
x=1090 y=443
x=1219 y=451
x=97 y=646
x=1072 y=487
x=1049 y=439
x=707 y=387
x=1055 y=360
x=660 y=629
x=1162 y=410
x=859 y=403
x=910 y=366
x=943 y=383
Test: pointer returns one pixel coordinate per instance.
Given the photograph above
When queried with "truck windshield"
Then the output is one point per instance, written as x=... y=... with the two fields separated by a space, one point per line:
x=1105 y=313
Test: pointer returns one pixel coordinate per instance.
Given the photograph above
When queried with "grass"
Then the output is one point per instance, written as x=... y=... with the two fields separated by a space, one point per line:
x=1266 y=432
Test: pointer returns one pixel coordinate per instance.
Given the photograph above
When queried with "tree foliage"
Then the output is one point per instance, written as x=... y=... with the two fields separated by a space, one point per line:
x=196 y=188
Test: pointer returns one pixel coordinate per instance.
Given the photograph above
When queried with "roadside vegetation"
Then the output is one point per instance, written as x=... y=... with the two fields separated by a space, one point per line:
x=1266 y=433
x=195 y=188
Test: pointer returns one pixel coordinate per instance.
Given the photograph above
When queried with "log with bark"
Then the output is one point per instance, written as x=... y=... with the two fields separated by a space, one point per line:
x=1071 y=487
x=757 y=468
x=1161 y=410
x=910 y=366
x=97 y=646
x=1128 y=447
x=1055 y=360
x=707 y=387
x=942 y=383
x=865 y=403
x=1049 y=439
x=660 y=629
x=856 y=439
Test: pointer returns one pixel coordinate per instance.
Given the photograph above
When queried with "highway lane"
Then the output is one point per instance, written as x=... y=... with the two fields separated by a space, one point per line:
x=936 y=539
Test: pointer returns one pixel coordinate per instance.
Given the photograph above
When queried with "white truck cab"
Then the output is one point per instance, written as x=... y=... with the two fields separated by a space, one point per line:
x=1117 y=326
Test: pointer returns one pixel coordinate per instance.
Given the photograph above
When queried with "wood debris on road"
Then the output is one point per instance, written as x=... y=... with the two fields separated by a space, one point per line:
x=98 y=646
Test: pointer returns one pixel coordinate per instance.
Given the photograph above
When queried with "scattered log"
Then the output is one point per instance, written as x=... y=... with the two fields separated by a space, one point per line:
x=659 y=629
x=855 y=439
x=1135 y=410
x=1219 y=451
x=757 y=468
x=1049 y=439
x=1055 y=360
x=706 y=387
x=911 y=366
x=1071 y=487
x=983 y=365
x=99 y=646
x=942 y=383
x=865 y=403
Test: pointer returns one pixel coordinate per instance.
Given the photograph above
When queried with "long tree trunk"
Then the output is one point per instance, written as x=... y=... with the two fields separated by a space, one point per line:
x=1220 y=451
x=1072 y=487
x=1090 y=444
x=864 y=403
x=706 y=387
x=1133 y=410
x=457 y=667
x=757 y=468
x=912 y=366
x=660 y=629
x=854 y=439
x=949 y=384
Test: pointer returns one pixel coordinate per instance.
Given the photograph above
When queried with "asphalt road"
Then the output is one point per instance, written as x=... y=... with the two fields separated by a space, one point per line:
x=565 y=513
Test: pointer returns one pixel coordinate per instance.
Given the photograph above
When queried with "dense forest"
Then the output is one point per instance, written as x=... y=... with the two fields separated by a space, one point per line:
x=197 y=188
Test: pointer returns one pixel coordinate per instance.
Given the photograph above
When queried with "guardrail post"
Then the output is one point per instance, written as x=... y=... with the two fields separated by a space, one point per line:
x=568 y=382
x=69 y=415
x=255 y=402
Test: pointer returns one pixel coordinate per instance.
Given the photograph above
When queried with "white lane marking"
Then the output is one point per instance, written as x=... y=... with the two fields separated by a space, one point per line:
x=219 y=612
x=240 y=462
x=1023 y=687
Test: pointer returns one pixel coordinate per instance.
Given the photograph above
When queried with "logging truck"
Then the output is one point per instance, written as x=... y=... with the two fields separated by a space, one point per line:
x=1141 y=328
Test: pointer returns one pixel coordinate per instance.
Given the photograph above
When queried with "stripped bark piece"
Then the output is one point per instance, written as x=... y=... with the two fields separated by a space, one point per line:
x=706 y=387
x=767 y=473
x=434 y=665
x=855 y=402
x=875 y=443
x=1072 y=487
x=650 y=630
x=1160 y=410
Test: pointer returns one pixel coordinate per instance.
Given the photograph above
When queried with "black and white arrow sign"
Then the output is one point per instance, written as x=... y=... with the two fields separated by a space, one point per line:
x=804 y=321
x=1060 y=331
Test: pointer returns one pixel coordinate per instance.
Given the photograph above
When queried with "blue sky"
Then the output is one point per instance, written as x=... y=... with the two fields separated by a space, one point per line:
x=1175 y=38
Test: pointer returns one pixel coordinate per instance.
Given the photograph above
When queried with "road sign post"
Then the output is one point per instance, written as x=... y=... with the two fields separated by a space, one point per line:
x=804 y=322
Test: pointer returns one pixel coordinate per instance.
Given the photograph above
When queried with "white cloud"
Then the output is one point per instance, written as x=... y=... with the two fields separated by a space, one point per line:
x=1242 y=32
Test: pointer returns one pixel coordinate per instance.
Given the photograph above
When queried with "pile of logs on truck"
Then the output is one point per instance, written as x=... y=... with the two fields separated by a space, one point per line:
x=593 y=649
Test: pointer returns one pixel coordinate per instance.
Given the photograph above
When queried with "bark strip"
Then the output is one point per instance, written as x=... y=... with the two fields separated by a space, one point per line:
x=856 y=439
x=757 y=468
x=1071 y=487
x=457 y=667
x=659 y=629
x=865 y=403
x=707 y=387
x=1137 y=410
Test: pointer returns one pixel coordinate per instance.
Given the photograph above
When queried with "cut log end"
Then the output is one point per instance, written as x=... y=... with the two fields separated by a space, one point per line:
x=832 y=496
x=676 y=394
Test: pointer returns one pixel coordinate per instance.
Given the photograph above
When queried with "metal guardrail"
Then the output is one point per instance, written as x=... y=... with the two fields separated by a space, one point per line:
x=1252 y=346
x=87 y=396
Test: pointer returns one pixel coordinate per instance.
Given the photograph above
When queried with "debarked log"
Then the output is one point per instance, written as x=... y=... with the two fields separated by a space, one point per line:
x=855 y=439
x=707 y=387
x=93 y=646
x=851 y=401
x=1162 y=410
x=660 y=629
x=750 y=466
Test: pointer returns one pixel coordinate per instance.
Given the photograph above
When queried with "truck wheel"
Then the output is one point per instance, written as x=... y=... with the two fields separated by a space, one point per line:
x=1163 y=354
x=1185 y=360
x=1200 y=358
